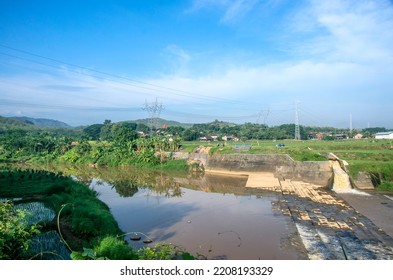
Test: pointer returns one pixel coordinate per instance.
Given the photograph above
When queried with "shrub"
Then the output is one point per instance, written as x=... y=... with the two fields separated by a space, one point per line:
x=114 y=249
x=14 y=233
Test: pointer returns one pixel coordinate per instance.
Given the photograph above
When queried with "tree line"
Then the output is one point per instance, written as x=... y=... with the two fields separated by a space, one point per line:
x=248 y=131
x=113 y=143
x=107 y=144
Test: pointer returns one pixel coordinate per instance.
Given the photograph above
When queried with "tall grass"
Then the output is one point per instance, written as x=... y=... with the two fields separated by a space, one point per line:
x=38 y=212
x=48 y=246
x=86 y=216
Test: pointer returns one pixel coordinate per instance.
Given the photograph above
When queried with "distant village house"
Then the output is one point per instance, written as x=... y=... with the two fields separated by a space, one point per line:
x=209 y=138
x=384 y=135
x=315 y=136
x=230 y=138
x=340 y=136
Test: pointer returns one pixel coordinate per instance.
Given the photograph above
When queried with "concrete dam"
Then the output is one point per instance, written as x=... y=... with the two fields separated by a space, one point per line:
x=268 y=168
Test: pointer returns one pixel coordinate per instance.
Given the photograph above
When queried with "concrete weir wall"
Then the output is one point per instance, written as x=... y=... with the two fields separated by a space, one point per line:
x=282 y=166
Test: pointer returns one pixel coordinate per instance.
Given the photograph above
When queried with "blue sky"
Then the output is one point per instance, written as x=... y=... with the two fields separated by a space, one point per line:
x=82 y=62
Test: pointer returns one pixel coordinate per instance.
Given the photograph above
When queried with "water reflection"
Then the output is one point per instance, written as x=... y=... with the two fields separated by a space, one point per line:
x=211 y=215
x=125 y=188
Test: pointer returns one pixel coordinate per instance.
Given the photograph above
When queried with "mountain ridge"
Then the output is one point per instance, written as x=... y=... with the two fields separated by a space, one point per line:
x=40 y=122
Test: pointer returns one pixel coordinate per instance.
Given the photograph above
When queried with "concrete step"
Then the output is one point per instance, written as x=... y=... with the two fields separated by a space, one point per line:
x=262 y=181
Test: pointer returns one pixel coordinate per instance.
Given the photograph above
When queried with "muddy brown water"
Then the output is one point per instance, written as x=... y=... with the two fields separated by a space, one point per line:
x=212 y=216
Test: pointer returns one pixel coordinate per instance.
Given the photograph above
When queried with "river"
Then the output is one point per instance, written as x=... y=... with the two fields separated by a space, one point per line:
x=211 y=216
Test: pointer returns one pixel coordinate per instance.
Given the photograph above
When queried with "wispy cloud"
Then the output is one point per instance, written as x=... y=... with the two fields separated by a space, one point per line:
x=231 y=10
x=238 y=9
x=177 y=57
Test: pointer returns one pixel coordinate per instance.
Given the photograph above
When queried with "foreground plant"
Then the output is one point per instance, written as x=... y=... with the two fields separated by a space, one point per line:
x=15 y=234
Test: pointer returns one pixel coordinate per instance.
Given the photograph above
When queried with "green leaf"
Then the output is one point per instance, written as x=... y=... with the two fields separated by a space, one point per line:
x=187 y=256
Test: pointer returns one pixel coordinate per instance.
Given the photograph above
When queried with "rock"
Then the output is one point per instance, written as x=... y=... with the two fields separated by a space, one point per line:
x=332 y=156
x=363 y=181
x=135 y=238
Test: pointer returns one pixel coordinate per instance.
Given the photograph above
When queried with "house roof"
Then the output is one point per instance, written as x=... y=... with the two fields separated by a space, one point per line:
x=384 y=133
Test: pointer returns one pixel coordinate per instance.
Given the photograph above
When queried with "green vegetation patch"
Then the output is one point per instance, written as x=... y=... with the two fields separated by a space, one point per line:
x=83 y=215
x=15 y=234
x=295 y=149
x=83 y=222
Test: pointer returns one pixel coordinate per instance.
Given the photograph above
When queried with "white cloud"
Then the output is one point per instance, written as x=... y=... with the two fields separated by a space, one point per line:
x=235 y=92
x=356 y=31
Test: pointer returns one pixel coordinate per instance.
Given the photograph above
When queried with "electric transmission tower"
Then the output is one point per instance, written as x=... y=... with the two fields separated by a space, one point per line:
x=265 y=115
x=297 y=126
x=154 y=110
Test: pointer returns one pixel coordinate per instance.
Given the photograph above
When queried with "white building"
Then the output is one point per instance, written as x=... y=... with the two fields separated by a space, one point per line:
x=384 y=135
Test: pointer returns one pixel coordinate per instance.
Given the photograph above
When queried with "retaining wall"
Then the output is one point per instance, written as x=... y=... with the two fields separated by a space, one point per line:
x=283 y=167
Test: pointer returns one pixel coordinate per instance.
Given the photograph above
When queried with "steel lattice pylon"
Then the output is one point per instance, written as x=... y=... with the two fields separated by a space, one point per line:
x=297 y=126
x=154 y=110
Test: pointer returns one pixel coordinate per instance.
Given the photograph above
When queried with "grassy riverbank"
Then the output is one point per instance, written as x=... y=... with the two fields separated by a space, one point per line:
x=84 y=218
x=81 y=218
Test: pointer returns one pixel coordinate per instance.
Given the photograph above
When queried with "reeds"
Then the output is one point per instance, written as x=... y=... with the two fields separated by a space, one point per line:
x=38 y=212
x=48 y=246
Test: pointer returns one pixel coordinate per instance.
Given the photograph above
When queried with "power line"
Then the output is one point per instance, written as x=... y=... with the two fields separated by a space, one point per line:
x=316 y=119
x=265 y=114
x=166 y=89
x=6 y=102
x=80 y=70
x=89 y=75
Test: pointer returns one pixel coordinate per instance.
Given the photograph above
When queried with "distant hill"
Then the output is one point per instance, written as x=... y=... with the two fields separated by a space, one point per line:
x=9 y=123
x=40 y=122
x=161 y=122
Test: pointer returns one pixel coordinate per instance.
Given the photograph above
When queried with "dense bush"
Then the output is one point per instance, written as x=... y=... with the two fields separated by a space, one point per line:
x=115 y=249
x=15 y=234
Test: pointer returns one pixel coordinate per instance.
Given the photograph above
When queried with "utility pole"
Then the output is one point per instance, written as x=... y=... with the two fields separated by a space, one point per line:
x=297 y=126
x=350 y=124
x=154 y=110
